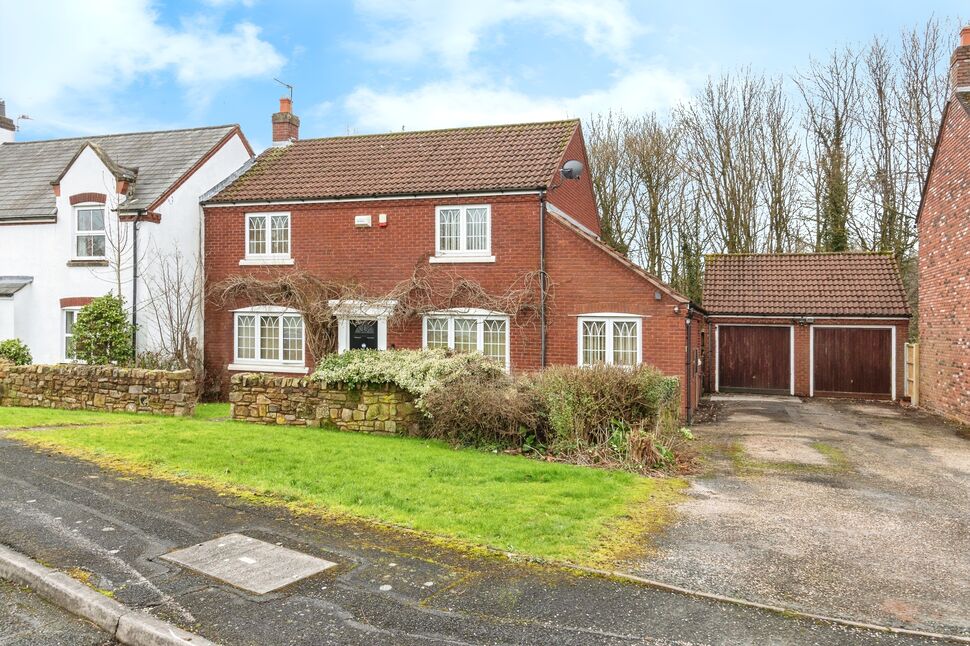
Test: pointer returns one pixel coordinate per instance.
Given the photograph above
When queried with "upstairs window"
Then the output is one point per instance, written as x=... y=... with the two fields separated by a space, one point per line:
x=463 y=231
x=469 y=330
x=90 y=240
x=267 y=236
x=611 y=339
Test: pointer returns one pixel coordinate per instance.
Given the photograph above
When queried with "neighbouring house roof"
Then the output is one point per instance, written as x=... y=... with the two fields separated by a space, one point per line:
x=804 y=284
x=458 y=160
x=10 y=285
x=156 y=161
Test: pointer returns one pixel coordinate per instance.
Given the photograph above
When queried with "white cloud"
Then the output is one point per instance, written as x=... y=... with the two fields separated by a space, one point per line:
x=463 y=102
x=450 y=31
x=64 y=58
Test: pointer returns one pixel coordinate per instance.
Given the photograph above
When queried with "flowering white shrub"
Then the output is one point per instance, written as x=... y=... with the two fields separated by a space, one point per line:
x=416 y=371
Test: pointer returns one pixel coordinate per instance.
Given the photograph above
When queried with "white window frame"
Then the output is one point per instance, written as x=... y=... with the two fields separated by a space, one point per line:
x=357 y=310
x=480 y=316
x=268 y=258
x=266 y=365
x=463 y=254
x=75 y=233
x=64 y=311
x=610 y=318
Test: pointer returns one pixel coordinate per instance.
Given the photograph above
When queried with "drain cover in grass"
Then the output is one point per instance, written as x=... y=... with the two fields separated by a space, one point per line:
x=248 y=563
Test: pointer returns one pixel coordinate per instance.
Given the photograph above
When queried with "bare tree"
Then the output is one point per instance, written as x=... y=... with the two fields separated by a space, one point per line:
x=780 y=162
x=175 y=300
x=612 y=179
x=831 y=99
x=654 y=150
x=723 y=156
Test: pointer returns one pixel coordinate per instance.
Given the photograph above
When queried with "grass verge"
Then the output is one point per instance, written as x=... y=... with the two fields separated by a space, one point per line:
x=547 y=510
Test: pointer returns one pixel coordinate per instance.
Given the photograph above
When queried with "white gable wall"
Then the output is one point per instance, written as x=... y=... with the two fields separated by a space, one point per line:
x=180 y=228
x=44 y=251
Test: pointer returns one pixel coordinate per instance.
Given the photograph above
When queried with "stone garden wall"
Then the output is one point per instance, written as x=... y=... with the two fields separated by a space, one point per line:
x=100 y=388
x=303 y=401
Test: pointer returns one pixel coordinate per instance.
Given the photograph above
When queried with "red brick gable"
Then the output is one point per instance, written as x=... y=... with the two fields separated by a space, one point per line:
x=944 y=271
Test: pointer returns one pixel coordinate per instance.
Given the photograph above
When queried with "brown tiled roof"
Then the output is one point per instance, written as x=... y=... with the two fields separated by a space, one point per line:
x=809 y=284
x=459 y=160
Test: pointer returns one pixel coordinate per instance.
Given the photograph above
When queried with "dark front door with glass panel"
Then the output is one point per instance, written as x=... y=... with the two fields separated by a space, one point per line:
x=363 y=335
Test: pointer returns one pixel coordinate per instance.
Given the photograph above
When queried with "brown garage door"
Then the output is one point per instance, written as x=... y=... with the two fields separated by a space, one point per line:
x=754 y=358
x=855 y=361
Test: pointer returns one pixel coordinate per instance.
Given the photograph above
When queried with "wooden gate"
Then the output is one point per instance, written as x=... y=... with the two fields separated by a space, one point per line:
x=754 y=358
x=852 y=360
x=911 y=381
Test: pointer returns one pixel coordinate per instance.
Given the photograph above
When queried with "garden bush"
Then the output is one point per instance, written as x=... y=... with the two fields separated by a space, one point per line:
x=15 y=351
x=604 y=415
x=612 y=414
x=416 y=371
x=102 y=333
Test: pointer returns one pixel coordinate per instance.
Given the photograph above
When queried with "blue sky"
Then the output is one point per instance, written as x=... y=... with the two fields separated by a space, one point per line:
x=376 y=65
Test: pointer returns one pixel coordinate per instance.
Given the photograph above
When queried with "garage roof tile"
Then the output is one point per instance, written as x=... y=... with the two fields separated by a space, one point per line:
x=804 y=284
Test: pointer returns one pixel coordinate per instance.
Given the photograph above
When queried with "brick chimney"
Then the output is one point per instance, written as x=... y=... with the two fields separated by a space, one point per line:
x=286 y=125
x=7 y=127
x=960 y=63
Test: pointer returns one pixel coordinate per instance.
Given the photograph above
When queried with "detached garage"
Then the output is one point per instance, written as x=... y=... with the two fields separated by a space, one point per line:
x=828 y=325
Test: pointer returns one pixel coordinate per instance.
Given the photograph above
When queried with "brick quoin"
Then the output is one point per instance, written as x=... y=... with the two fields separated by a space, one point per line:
x=944 y=270
x=583 y=277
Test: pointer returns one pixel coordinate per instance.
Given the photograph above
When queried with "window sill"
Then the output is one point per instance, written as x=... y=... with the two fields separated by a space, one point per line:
x=87 y=262
x=255 y=262
x=460 y=259
x=288 y=368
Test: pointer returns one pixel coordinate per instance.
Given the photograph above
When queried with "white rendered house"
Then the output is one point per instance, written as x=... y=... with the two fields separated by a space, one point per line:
x=120 y=214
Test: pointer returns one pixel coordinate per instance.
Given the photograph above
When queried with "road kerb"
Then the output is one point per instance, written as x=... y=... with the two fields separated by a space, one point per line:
x=128 y=626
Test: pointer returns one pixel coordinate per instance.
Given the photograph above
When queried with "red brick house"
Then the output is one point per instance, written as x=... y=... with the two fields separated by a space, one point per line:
x=806 y=324
x=944 y=255
x=489 y=207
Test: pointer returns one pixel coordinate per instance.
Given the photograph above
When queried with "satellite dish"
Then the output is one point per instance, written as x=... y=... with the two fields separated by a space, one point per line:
x=573 y=169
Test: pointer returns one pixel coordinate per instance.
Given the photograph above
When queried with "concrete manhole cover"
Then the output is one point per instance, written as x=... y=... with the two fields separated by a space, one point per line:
x=248 y=563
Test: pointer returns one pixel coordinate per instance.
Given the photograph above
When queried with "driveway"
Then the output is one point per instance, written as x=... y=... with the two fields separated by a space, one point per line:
x=848 y=509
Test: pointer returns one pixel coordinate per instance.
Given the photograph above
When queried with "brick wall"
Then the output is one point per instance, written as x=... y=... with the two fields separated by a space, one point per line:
x=584 y=279
x=576 y=197
x=100 y=388
x=303 y=401
x=944 y=271
x=803 y=346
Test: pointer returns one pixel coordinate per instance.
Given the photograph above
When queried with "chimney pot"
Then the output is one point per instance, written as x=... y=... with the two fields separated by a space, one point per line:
x=965 y=36
x=286 y=125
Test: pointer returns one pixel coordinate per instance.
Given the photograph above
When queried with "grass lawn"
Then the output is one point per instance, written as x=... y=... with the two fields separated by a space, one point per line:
x=508 y=502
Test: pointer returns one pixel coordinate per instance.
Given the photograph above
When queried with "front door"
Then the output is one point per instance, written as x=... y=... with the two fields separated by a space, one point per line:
x=363 y=335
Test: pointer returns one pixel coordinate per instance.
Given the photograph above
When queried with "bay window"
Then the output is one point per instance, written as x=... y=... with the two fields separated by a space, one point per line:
x=269 y=338
x=611 y=339
x=469 y=330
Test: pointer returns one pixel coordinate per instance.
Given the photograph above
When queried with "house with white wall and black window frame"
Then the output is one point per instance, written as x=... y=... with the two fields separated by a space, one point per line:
x=88 y=216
